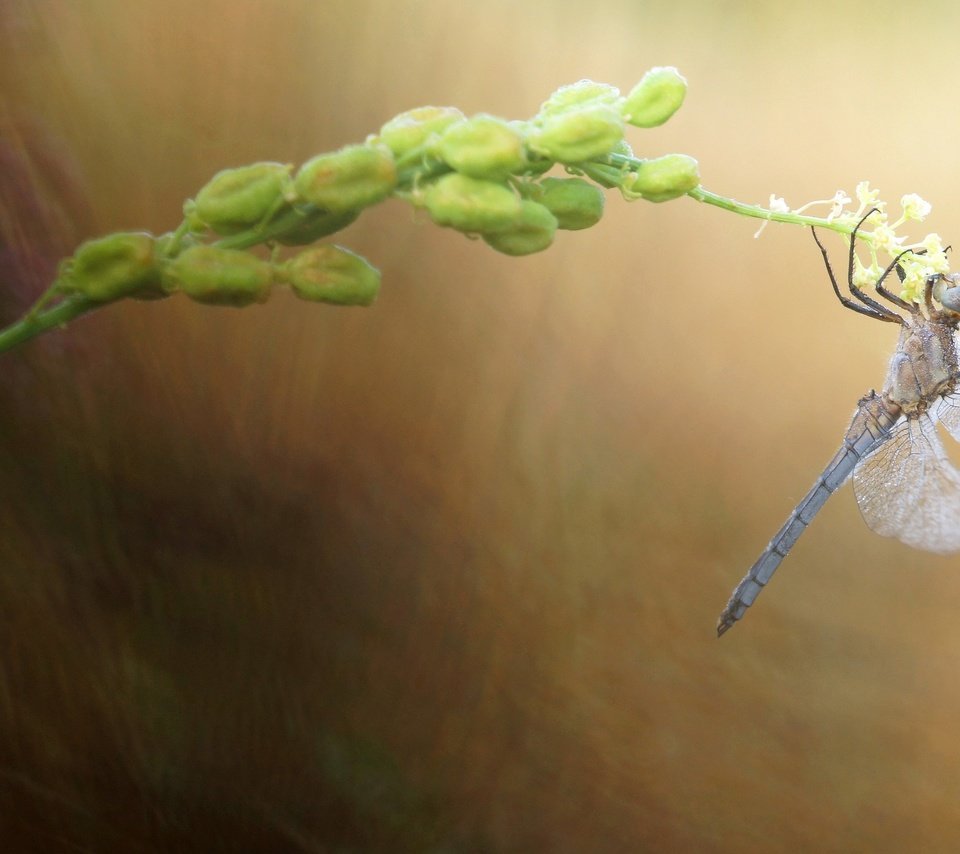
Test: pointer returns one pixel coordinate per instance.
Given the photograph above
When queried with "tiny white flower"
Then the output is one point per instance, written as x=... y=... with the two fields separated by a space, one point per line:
x=776 y=205
x=885 y=239
x=867 y=197
x=932 y=243
x=912 y=288
x=864 y=277
x=840 y=198
x=914 y=207
x=935 y=259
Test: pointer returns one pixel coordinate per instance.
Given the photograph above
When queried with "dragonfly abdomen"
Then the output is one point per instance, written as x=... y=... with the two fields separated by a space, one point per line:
x=870 y=427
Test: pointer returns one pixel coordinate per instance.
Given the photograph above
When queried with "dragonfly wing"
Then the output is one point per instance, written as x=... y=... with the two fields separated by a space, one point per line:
x=908 y=489
x=948 y=413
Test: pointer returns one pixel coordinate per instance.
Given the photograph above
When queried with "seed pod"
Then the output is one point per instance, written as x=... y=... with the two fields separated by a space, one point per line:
x=533 y=231
x=352 y=178
x=577 y=135
x=471 y=205
x=316 y=225
x=578 y=95
x=662 y=178
x=238 y=199
x=216 y=276
x=332 y=274
x=411 y=130
x=483 y=147
x=109 y=268
x=574 y=202
x=655 y=98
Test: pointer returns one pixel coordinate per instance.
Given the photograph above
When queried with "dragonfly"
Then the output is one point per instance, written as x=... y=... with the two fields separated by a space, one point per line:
x=905 y=485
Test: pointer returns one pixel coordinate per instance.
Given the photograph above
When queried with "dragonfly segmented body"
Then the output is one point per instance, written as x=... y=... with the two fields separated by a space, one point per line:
x=905 y=485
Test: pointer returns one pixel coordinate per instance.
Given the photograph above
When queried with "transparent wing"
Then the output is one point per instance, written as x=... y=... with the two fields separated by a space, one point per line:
x=948 y=412
x=908 y=489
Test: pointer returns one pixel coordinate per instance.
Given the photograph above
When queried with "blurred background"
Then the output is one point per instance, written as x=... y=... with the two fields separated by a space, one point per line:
x=443 y=574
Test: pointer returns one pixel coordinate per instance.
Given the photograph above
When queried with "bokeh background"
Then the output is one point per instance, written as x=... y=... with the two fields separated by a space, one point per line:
x=443 y=574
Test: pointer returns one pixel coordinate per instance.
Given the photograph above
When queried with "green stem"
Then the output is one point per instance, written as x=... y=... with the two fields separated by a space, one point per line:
x=38 y=320
x=622 y=161
x=35 y=323
x=255 y=236
x=708 y=198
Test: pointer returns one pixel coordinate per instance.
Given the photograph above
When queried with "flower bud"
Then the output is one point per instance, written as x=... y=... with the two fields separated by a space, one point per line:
x=209 y=274
x=577 y=135
x=471 y=205
x=655 y=98
x=238 y=199
x=483 y=147
x=332 y=274
x=532 y=232
x=411 y=130
x=352 y=178
x=662 y=178
x=578 y=95
x=318 y=224
x=574 y=202
x=109 y=268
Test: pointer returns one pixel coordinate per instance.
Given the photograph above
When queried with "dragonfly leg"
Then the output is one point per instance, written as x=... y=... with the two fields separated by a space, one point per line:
x=888 y=315
x=892 y=297
x=866 y=306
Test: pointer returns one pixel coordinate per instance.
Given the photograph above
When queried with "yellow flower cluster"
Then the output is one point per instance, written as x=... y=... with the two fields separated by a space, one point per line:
x=923 y=258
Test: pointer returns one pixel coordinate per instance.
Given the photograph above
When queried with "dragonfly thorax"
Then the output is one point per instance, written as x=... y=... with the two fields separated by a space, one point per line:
x=924 y=367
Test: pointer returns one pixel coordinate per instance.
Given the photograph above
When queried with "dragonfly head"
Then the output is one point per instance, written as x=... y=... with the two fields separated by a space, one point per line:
x=946 y=290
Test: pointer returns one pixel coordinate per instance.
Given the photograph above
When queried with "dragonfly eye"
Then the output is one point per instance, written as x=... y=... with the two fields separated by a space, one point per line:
x=950 y=299
x=946 y=290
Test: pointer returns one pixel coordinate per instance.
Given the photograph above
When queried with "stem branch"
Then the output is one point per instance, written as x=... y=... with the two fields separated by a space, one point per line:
x=34 y=323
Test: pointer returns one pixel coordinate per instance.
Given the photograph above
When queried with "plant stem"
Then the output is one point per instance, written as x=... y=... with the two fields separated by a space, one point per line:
x=34 y=323
x=705 y=196
x=38 y=320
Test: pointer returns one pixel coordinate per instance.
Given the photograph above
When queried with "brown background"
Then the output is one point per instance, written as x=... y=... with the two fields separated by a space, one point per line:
x=443 y=574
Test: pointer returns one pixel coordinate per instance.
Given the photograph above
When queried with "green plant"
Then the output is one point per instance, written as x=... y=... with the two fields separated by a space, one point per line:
x=481 y=175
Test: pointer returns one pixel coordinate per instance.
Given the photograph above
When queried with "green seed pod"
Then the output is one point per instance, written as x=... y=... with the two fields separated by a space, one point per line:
x=577 y=135
x=662 y=178
x=411 y=130
x=655 y=98
x=578 y=95
x=483 y=147
x=471 y=205
x=316 y=225
x=574 y=202
x=112 y=267
x=237 y=199
x=533 y=232
x=332 y=274
x=216 y=276
x=352 y=178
